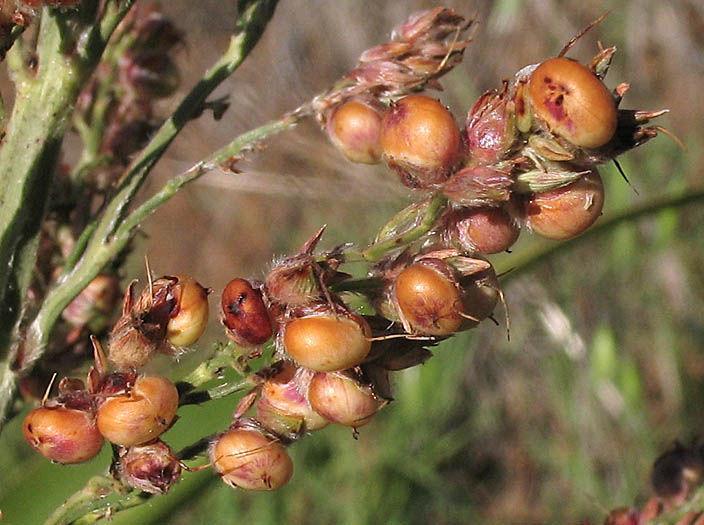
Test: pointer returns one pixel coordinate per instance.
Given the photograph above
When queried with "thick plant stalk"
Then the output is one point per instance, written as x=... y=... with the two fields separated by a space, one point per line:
x=35 y=131
x=113 y=231
x=38 y=122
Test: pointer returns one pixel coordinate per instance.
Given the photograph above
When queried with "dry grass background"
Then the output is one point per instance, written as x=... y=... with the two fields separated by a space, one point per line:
x=605 y=365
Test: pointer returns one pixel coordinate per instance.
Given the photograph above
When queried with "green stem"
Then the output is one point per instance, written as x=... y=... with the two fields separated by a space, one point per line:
x=227 y=356
x=96 y=489
x=91 y=124
x=227 y=389
x=248 y=30
x=31 y=145
x=105 y=510
x=223 y=358
x=111 y=233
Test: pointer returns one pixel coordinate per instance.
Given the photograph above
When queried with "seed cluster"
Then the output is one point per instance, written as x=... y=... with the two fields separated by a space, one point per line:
x=128 y=408
x=525 y=156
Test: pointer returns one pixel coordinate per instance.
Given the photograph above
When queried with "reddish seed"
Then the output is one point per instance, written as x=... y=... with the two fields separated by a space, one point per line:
x=340 y=399
x=429 y=301
x=122 y=139
x=484 y=230
x=250 y=460
x=150 y=74
x=566 y=212
x=155 y=31
x=327 y=342
x=63 y=435
x=354 y=129
x=94 y=303
x=245 y=314
x=140 y=415
x=419 y=138
x=573 y=103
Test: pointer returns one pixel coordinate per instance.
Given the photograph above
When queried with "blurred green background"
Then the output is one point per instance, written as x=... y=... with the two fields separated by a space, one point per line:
x=605 y=363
